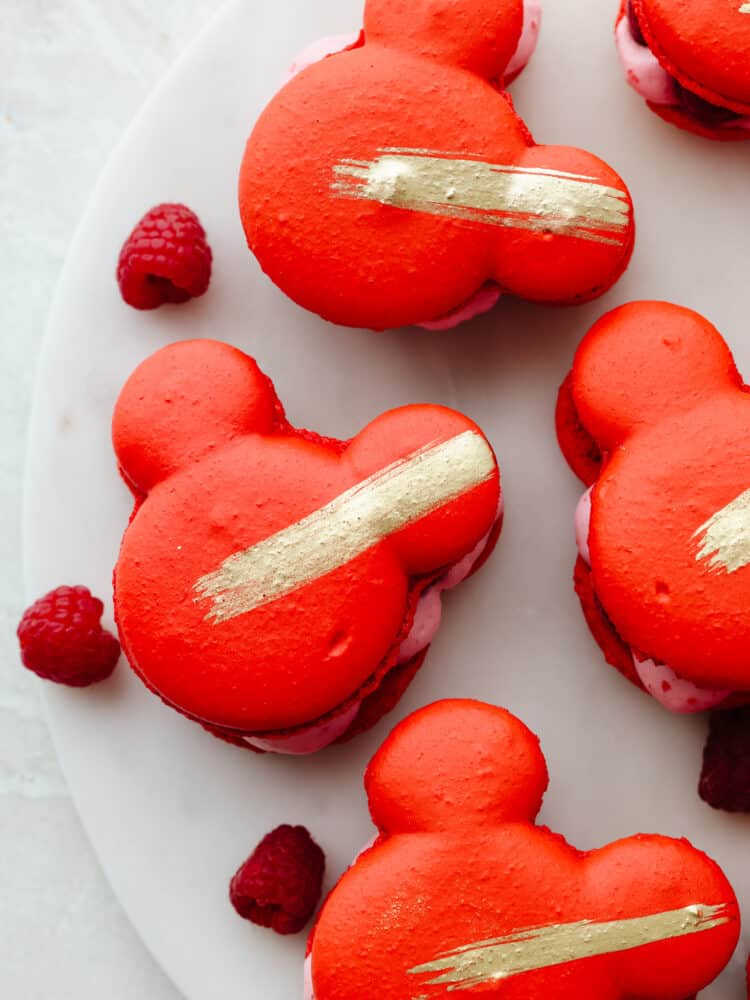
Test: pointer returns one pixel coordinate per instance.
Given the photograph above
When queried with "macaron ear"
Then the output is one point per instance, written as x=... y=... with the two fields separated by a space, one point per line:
x=449 y=480
x=659 y=882
x=645 y=361
x=574 y=230
x=456 y=763
x=478 y=35
x=184 y=401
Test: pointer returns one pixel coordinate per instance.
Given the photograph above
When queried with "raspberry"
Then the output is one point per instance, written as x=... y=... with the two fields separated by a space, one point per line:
x=62 y=639
x=165 y=259
x=280 y=883
x=725 y=778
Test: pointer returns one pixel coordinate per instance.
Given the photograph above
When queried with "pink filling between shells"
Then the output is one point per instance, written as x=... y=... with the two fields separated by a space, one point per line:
x=309 y=992
x=532 y=23
x=675 y=693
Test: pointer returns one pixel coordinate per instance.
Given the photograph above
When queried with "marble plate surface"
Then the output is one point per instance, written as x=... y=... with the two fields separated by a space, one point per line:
x=170 y=811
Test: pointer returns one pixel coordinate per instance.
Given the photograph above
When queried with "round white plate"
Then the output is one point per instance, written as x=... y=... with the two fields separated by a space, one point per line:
x=171 y=811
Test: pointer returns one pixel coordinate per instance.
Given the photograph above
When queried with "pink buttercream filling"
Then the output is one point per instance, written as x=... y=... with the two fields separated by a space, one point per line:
x=309 y=991
x=532 y=23
x=480 y=302
x=488 y=295
x=643 y=71
x=675 y=693
x=427 y=618
x=318 y=50
x=647 y=76
x=582 y=524
x=308 y=740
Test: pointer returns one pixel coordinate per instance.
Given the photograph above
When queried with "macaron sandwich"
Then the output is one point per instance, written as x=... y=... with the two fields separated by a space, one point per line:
x=655 y=419
x=690 y=62
x=462 y=891
x=276 y=586
x=392 y=183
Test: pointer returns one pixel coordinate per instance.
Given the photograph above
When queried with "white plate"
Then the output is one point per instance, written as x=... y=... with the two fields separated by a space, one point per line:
x=171 y=811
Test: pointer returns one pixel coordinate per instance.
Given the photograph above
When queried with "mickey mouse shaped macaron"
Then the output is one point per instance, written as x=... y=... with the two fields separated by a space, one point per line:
x=655 y=419
x=279 y=587
x=393 y=183
x=690 y=61
x=462 y=892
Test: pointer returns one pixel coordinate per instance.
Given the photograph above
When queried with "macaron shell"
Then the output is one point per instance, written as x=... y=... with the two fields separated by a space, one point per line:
x=649 y=513
x=705 y=44
x=207 y=396
x=459 y=869
x=317 y=621
x=551 y=269
x=657 y=388
x=245 y=673
x=457 y=737
x=477 y=35
x=413 y=899
x=617 y=653
x=354 y=261
x=393 y=210
x=643 y=361
x=680 y=118
x=578 y=446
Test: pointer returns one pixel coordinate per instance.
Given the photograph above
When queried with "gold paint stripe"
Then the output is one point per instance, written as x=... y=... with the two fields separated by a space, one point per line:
x=557 y=944
x=353 y=522
x=726 y=536
x=474 y=157
x=515 y=197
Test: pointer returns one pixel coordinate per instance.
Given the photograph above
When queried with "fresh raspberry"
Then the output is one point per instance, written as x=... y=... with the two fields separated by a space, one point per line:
x=280 y=883
x=62 y=639
x=165 y=259
x=725 y=778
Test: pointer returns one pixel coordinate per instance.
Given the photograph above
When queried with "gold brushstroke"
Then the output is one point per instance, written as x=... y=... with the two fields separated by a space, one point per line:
x=353 y=522
x=727 y=536
x=451 y=185
x=557 y=944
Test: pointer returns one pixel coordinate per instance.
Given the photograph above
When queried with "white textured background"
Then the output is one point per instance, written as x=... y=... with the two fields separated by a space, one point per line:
x=72 y=75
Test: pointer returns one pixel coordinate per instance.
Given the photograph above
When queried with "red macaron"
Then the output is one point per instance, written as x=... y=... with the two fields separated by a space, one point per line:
x=279 y=587
x=392 y=183
x=690 y=62
x=656 y=419
x=463 y=891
